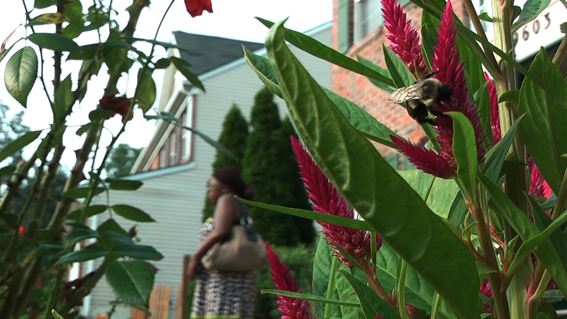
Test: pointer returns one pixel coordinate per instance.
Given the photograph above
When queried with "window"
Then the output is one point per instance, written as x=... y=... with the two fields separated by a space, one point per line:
x=344 y=25
x=485 y=6
x=172 y=147
x=187 y=120
x=162 y=157
x=367 y=17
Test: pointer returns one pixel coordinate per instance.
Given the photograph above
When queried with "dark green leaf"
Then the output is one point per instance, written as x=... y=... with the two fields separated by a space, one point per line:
x=400 y=73
x=264 y=70
x=18 y=144
x=464 y=150
x=115 y=52
x=132 y=213
x=510 y=96
x=83 y=129
x=63 y=99
x=74 y=29
x=563 y=27
x=324 y=274
x=485 y=17
x=342 y=221
x=531 y=9
x=123 y=184
x=82 y=192
x=85 y=52
x=21 y=73
x=146 y=90
x=378 y=69
x=110 y=225
x=111 y=239
x=41 y=4
x=497 y=155
x=181 y=66
x=316 y=48
x=371 y=304
x=372 y=187
x=137 y=251
x=545 y=127
x=74 y=11
x=162 y=63
x=7 y=170
x=53 y=41
x=78 y=235
x=99 y=114
x=429 y=26
x=85 y=254
x=132 y=281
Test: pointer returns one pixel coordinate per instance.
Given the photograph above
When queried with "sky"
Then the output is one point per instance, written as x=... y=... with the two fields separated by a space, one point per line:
x=230 y=19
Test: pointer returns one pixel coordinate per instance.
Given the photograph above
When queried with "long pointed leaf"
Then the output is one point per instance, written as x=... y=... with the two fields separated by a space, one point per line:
x=372 y=187
x=371 y=304
x=464 y=150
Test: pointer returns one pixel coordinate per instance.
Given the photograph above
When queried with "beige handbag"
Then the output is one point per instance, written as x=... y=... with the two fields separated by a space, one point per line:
x=243 y=250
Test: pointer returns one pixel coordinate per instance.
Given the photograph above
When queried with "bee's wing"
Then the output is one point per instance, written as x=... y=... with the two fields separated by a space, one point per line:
x=404 y=94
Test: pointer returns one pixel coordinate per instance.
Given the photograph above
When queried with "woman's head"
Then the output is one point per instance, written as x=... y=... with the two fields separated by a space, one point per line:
x=228 y=179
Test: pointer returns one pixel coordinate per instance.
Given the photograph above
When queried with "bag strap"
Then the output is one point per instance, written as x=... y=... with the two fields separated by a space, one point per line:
x=245 y=219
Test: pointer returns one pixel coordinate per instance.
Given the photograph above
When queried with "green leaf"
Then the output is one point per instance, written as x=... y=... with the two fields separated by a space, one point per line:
x=144 y=252
x=485 y=17
x=78 y=235
x=123 y=184
x=82 y=192
x=464 y=150
x=527 y=231
x=309 y=297
x=18 y=144
x=309 y=214
x=41 y=4
x=544 y=129
x=89 y=212
x=368 y=183
x=210 y=141
x=85 y=254
x=99 y=114
x=162 y=63
x=510 y=96
x=53 y=41
x=132 y=213
x=20 y=74
x=497 y=155
x=74 y=11
x=324 y=274
x=531 y=9
x=56 y=315
x=400 y=73
x=146 y=90
x=316 y=48
x=371 y=304
x=7 y=170
x=110 y=225
x=563 y=27
x=132 y=281
x=378 y=69
x=63 y=99
x=357 y=117
x=182 y=66
x=48 y=18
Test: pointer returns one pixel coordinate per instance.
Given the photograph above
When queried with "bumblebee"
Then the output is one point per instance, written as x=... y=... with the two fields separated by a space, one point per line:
x=420 y=97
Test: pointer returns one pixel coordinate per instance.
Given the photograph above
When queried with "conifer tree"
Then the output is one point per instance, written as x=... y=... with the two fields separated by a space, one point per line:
x=267 y=164
x=233 y=136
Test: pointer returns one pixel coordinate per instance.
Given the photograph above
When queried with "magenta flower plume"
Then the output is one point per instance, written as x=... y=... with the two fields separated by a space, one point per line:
x=450 y=72
x=494 y=113
x=290 y=308
x=327 y=200
x=486 y=290
x=404 y=37
x=538 y=185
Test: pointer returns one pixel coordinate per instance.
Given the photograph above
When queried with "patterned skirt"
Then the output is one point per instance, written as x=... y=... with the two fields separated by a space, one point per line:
x=223 y=295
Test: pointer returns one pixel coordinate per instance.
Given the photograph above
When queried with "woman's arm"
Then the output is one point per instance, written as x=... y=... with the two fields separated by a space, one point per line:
x=225 y=214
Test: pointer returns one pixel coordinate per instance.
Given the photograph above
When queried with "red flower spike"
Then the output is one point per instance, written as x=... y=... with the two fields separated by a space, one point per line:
x=450 y=71
x=404 y=37
x=22 y=230
x=487 y=291
x=196 y=7
x=327 y=200
x=538 y=185
x=494 y=113
x=290 y=308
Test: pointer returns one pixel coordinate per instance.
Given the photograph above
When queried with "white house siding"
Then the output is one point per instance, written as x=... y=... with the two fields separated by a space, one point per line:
x=176 y=200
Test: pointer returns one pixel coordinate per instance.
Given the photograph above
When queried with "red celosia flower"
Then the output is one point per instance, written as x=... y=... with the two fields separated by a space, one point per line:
x=450 y=71
x=290 y=308
x=404 y=37
x=116 y=104
x=494 y=113
x=196 y=7
x=538 y=186
x=486 y=290
x=327 y=200
x=22 y=230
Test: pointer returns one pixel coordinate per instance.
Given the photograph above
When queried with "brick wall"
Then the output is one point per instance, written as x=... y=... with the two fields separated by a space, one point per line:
x=372 y=99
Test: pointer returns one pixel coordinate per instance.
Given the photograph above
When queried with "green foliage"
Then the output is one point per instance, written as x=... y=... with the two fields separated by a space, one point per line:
x=269 y=164
x=233 y=136
x=121 y=160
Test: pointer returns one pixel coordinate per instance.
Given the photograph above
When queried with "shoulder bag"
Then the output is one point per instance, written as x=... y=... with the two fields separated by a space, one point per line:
x=244 y=250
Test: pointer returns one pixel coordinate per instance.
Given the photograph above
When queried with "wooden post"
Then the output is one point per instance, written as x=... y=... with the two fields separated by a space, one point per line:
x=180 y=311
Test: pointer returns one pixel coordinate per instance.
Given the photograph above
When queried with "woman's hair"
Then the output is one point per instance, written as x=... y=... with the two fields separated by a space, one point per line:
x=230 y=177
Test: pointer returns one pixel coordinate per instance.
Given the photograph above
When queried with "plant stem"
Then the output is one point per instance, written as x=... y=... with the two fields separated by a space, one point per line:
x=561 y=52
x=479 y=29
x=400 y=289
x=368 y=270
